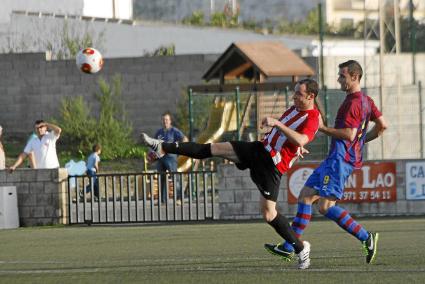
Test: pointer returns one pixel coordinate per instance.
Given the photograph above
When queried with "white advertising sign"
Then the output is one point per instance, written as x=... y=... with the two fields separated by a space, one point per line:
x=415 y=180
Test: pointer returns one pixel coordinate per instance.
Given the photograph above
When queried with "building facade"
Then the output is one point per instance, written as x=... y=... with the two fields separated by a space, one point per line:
x=351 y=12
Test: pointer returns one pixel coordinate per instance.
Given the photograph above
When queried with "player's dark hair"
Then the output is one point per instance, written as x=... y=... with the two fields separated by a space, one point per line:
x=354 y=68
x=39 y=121
x=96 y=147
x=311 y=86
x=167 y=113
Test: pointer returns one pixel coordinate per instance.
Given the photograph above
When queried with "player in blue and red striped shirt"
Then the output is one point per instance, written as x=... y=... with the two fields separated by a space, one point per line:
x=326 y=184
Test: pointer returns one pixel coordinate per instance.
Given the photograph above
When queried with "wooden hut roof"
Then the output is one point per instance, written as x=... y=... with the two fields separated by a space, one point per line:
x=271 y=59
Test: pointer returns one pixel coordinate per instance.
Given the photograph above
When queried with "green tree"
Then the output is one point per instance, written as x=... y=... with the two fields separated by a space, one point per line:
x=405 y=36
x=113 y=129
x=110 y=128
x=77 y=124
x=405 y=33
x=307 y=26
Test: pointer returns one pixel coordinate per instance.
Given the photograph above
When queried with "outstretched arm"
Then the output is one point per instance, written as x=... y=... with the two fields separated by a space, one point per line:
x=18 y=162
x=293 y=136
x=377 y=130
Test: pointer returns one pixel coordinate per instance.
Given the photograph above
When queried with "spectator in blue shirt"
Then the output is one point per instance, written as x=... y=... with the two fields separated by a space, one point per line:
x=168 y=162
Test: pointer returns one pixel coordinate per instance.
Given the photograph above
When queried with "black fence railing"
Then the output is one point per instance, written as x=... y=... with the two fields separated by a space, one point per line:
x=142 y=197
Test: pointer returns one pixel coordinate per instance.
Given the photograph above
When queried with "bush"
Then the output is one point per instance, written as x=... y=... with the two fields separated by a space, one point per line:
x=163 y=50
x=111 y=128
x=76 y=123
x=196 y=19
x=219 y=19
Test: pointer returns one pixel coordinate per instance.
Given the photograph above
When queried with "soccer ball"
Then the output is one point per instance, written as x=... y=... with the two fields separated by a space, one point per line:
x=89 y=60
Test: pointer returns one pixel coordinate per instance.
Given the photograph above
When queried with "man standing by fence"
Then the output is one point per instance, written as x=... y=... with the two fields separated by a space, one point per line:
x=170 y=134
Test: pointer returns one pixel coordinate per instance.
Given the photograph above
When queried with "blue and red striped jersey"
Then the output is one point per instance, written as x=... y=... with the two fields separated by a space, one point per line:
x=355 y=112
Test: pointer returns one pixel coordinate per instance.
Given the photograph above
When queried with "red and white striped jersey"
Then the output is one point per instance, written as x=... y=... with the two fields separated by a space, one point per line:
x=283 y=152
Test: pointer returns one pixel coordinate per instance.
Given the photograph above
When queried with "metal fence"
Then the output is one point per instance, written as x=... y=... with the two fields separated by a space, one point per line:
x=249 y=104
x=137 y=197
x=402 y=107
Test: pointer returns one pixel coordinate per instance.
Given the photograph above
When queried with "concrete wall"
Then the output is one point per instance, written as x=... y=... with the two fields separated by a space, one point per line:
x=92 y=8
x=239 y=198
x=118 y=9
x=53 y=6
x=27 y=33
x=41 y=195
x=32 y=88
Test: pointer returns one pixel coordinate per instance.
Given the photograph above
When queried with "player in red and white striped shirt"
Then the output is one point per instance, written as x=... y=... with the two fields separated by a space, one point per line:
x=282 y=149
x=266 y=160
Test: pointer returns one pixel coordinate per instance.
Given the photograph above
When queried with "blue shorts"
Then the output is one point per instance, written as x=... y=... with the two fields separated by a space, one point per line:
x=329 y=178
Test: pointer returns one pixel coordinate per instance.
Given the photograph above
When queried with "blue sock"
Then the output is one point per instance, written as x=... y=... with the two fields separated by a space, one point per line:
x=300 y=222
x=345 y=221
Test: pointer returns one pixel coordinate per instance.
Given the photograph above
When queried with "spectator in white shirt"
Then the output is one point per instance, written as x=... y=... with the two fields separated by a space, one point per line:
x=43 y=146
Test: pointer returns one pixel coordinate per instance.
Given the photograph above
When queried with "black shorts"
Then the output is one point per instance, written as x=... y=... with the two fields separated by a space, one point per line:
x=264 y=173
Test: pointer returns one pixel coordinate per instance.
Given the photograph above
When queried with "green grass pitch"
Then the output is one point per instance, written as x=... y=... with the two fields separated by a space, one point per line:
x=208 y=253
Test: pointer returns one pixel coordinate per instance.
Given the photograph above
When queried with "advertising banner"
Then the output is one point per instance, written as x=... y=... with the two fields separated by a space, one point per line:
x=415 y=180
x=374 y=182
